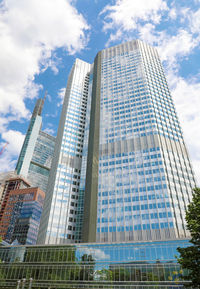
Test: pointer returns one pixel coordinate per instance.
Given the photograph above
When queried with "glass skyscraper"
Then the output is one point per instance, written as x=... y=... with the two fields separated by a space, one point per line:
x=59 y=219
x=121 y=170
x=36 y=155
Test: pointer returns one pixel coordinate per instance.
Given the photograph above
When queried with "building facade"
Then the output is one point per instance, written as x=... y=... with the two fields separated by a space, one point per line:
x=142 y=265
x=59 y=217
x=121 y=171
x=145 y=178
x=36 y=155
x=13 y=183
x=21 y=218
x=3 y=178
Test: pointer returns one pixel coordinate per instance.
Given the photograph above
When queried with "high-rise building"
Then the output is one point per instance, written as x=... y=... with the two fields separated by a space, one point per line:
x=21 y=218
x=58 y=221
x=36 y=155
x=121 y=170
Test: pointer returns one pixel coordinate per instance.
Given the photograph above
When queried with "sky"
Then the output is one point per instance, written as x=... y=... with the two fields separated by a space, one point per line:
x=40 y=40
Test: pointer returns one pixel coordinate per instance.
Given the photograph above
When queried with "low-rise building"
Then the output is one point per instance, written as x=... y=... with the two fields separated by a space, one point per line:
x=10 y=183
x=131 y=265
x=21 y=217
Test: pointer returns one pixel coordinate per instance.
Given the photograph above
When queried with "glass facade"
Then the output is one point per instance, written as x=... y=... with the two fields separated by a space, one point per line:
x=59 y=218
x=145 y=176
x=36 y=154
x=27 y=224
x=124 y=265
x=81 y=196
x=22 y=214
x=121 y=170
x=28 y=145
x=41 y=161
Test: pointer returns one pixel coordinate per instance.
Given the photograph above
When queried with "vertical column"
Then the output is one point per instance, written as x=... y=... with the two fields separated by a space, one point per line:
x=91 y=190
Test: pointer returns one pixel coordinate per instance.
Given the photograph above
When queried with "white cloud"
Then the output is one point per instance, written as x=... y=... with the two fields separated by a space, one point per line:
x=172 y=48
x=149 y=34
x=195 y=21
x=184 y=13
x=61 y=95
x=30 y=31
x=173 y=13
x=97 y=254
x=186 y=96
x=8 y=158
x=179 y=45
x=15 y=140
x=124 y=15
x=50 y=131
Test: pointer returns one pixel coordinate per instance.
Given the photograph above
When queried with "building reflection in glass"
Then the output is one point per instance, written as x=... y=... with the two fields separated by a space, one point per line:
x=87 y=265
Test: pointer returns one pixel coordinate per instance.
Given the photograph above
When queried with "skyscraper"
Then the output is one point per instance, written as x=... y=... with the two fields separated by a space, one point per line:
x=121 y=170
x=36 y=155
x=61 y=204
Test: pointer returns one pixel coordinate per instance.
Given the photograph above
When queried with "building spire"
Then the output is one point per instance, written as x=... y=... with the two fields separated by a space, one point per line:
x=45 y=95
x=39 y=105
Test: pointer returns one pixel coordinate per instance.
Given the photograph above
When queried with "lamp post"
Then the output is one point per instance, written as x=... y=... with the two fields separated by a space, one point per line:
x=18 y=284
x=30 y=283
x=23 y=283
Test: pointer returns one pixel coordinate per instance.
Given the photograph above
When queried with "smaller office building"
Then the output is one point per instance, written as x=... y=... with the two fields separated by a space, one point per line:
x=5 y=176
x=21 y=217
x=8 y=184
x=131 y=265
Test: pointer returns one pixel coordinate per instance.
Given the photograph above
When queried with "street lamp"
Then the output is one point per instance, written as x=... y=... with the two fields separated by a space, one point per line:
x=23 y=283
x=18 y=284
x=30 y=283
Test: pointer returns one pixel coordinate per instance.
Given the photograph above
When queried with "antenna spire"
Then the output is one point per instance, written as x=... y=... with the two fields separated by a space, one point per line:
x=45 y=95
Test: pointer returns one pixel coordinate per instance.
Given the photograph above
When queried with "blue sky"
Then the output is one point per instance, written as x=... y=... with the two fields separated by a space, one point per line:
x=40 y=39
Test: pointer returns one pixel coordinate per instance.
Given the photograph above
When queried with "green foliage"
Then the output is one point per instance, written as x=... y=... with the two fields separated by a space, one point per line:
x=121 y=274
x=175 y=276
x=152 y=277
x=190 y=256
x=103 y=275
x=193 y=217
x=48 y=255
x=87 y=267
x=2 y=275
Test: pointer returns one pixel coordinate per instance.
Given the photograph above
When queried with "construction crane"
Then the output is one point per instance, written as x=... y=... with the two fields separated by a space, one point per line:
x=3 y=148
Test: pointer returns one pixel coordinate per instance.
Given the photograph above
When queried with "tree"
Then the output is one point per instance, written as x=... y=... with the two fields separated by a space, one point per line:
x=87 y=267
x=104 y=275
x=190 y=256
